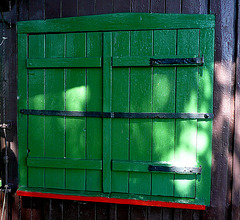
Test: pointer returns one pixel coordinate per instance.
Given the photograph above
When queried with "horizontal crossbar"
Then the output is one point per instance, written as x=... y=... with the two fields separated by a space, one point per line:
x=67 y=163
x=141 y=115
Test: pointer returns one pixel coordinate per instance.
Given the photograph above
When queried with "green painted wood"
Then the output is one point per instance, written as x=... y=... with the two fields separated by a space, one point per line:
x=68 y=163
x=94 y=103
x=205 y=102
x=76 y=95
x=22 y=103
x=64 y=62
x=121 y=21
x=120 y=103
x=36 y=101
x=107 y=107
x=55 y=100
x=186 y=101
x=164 y=80
x=140 y=101
x=145 y=60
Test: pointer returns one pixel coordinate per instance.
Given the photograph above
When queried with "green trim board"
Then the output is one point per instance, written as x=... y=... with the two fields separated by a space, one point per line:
x=118 y=22
x=64 y=163
x=102 y=64
x=64 y=62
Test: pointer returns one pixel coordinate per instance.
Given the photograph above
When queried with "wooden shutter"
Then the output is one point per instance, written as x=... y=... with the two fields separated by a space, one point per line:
x=105 y=102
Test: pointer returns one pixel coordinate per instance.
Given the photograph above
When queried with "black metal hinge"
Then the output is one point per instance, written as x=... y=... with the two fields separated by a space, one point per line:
x=177 y=61
x=174 y=169
x=142 y=115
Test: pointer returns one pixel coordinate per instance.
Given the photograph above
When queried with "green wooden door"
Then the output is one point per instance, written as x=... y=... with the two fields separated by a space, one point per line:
x=88 y=100
x=64 y=146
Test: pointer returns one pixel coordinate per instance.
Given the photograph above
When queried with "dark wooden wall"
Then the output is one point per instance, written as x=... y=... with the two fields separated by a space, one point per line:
x=225 y=195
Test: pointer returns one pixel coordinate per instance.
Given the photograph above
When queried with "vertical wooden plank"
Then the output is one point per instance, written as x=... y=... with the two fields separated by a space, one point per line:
x=167 y=214
x=87 y=211
x=187 y=214
x=225 y=12
x=140 y=6
x=23 y=10
x=70 y=210
x=154 y=213
x=107 y=107
x=138 y=212
x=173 y=6
x=186 y=130
x=56 y=209
x=102 y=211
x=236 y=150
x=205 y=104
x=104 y=6
x=36 y=129
x=112 y=211
x=55 y=100
x=195 y=7
x=164 y=79
x=140 y=101
x=120 y=103
x=86 y=7
x=22 y=104
x=69 y=8
x=52 y=9
x=123 y=211
x=36 y=9
x=122 y=6
x=94 y=103
x=158 y=6
x=75 y=101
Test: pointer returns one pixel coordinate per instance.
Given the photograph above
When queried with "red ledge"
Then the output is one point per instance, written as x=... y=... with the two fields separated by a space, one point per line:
x=112 y=200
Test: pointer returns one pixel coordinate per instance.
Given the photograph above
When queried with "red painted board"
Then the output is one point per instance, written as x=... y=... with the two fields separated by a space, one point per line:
x=112 y=200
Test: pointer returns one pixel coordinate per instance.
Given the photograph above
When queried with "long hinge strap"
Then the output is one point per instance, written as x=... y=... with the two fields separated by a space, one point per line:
x=174 y=169
x=177 y=61
x=143 y=115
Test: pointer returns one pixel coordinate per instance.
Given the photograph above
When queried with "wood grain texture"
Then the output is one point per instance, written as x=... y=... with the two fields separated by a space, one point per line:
x=158 y=6
x=194 y=7
x=70 y=210
x=140 y=6
x=52 y=9
x=87 y=210
x=22 y=12
x=223 y=107
x=138 y=212
x=36 y=10
x=123 y=212
x=236 y=153
x=173 y=6
x=104 y=6
x=86 y=7
x=69 y=8
x=56 y=207
x=121 y=6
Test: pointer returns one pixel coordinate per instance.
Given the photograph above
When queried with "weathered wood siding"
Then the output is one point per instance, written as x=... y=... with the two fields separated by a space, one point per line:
x=225 y=195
